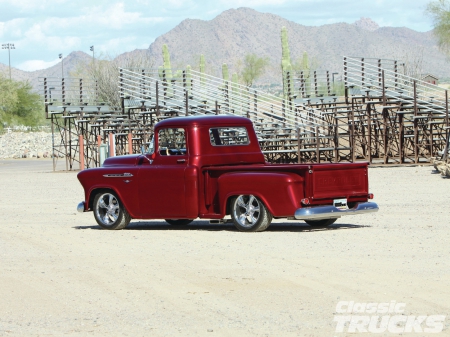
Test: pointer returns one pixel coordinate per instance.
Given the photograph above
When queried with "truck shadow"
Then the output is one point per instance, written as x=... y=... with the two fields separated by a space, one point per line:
x=201 y=225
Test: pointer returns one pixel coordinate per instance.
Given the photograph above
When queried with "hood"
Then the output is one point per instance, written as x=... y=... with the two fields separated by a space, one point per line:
x=130 y=159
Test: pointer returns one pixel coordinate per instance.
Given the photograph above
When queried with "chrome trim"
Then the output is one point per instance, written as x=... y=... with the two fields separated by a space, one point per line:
x=330 y=212
x=80 y=207
x=117 y=175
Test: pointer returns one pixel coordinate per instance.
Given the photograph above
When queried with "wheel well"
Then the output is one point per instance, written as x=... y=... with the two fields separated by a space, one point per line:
x=94 y=192
x=228 y=208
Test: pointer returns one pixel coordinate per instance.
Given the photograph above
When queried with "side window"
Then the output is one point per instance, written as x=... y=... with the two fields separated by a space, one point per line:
x=171 y=142
x=229 y=136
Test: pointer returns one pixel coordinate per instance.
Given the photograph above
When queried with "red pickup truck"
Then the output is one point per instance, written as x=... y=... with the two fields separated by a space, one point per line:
x=209 y=167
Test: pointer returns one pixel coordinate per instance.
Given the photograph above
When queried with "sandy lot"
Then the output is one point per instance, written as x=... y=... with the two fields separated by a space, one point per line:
x=60 y=274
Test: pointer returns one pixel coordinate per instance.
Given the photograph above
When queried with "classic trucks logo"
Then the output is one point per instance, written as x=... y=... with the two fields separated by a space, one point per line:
x=383 y=317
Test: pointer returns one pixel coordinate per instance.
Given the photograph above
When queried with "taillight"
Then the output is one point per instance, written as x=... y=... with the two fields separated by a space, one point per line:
x=370 y=195
x=305 y=201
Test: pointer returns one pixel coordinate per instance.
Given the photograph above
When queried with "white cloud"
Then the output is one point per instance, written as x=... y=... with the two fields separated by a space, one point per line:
x=32 y=65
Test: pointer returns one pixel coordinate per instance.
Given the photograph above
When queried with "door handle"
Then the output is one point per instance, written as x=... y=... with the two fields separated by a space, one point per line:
x=181 y=160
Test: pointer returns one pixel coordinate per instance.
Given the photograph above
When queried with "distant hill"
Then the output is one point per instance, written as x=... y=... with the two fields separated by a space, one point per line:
x=236 y=32
x=69 y=65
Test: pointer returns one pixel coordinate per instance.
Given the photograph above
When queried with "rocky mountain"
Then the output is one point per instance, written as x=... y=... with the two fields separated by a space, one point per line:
x=236 y=32
x=367 y=24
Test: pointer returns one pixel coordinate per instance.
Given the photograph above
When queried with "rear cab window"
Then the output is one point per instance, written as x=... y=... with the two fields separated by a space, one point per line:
x=229 y=136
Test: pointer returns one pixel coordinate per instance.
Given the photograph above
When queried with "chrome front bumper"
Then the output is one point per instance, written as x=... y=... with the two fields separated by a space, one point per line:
x=330 y=212
x=80 y=207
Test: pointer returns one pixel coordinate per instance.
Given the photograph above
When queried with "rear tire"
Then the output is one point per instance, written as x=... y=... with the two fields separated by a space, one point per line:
x=179 y=222
x=249 y=214
x=321 y=223
x=109 y=212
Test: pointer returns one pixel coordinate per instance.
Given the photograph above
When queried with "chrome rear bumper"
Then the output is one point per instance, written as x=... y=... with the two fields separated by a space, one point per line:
x=80 y=207
x=330 y=212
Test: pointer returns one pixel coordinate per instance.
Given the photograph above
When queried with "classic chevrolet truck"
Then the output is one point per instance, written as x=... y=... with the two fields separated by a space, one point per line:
x=211 y=167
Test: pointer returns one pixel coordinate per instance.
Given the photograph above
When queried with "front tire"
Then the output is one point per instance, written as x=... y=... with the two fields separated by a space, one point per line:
x=321 y=223
x=179 y=222
x=109 y=212
x=249 y=214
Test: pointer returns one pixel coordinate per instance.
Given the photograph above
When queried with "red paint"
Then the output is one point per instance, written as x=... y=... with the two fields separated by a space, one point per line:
x=198 y=182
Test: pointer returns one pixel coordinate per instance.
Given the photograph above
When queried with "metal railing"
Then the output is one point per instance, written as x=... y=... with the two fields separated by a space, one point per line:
x=197 y=93
x=367 y=76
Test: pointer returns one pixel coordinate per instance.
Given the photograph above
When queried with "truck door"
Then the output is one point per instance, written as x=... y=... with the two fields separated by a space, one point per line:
x=162 y=182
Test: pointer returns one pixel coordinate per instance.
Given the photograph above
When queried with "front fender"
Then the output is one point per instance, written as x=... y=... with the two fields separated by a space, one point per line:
x=280 y=192
x=123 y=181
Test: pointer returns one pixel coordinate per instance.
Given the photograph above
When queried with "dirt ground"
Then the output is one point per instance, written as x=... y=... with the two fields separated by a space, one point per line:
x=60 y=274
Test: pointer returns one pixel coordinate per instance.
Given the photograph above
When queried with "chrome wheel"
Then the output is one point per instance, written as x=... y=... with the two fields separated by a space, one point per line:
x=249 y=214
x=107 y=209
x=248 y=211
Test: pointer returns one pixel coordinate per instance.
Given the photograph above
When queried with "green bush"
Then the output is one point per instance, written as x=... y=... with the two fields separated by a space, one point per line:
x=19 y=105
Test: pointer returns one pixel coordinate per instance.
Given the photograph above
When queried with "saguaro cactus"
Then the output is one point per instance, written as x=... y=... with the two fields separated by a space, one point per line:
x=167 y=68
x=202 y=74
x=285 y=60
x=225 y=75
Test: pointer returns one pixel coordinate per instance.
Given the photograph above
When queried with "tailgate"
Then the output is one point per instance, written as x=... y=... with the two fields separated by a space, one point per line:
x=329 y=181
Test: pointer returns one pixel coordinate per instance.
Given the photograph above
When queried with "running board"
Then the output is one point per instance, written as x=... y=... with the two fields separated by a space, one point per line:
x=220 y=221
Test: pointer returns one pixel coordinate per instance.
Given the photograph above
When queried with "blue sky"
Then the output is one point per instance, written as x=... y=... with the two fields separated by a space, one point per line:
x=42 y=29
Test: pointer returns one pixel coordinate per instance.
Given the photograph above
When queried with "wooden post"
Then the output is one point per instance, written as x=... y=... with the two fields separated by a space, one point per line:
x=81 y=145
x=385 y=123
x=336 y=142
x=352 y=133
x=157 y=98
x=318 y=145
x=130 y=143
x=369 y=132
x=186 y=99
x=416 y=126
x=446 y=127
x=112 y=145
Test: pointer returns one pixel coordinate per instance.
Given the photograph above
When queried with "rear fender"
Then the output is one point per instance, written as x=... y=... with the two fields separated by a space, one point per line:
x=281 y=193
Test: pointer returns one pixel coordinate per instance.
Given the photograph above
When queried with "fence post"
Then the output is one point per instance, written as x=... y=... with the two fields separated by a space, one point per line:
x=81 y=152
x=157 y=98
x=328 y=83
x=416 y=126
x=112 y=144
x=130 y=143
x=318 y=145
x=316 y=89
x=186 y=95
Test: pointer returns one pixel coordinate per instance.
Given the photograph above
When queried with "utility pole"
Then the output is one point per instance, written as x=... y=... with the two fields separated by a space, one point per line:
x=93 y=58
x=9 y=46
x=62 y=66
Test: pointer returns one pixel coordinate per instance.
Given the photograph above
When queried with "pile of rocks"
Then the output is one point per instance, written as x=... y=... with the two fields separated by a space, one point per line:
x=441 y=166
x=26 y=145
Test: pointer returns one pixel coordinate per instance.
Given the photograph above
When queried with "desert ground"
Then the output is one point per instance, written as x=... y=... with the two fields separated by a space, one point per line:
x=61 y=275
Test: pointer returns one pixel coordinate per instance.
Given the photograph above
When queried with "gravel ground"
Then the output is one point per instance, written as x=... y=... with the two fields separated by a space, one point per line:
x=61 y=275
x=25 y=145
